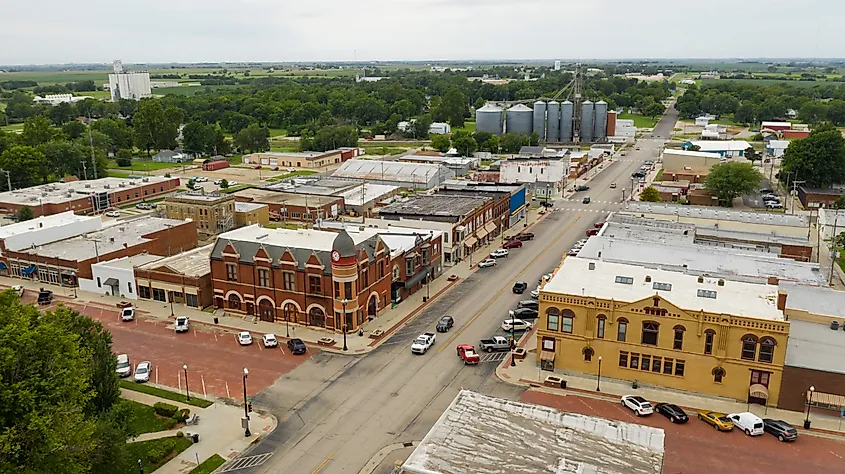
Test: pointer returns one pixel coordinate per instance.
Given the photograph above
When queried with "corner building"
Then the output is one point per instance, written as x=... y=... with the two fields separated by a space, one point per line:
x=664 y=328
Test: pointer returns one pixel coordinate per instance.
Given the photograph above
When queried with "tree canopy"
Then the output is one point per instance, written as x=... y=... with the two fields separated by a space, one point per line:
x=732 y=179
x=650 y=194
x=819 y=159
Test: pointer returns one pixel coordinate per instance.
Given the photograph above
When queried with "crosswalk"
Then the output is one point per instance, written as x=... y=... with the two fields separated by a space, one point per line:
x=245 y=463
x=494 y=356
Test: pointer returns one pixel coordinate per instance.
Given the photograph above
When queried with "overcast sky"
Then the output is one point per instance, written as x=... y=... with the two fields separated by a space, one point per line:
x=149 y=31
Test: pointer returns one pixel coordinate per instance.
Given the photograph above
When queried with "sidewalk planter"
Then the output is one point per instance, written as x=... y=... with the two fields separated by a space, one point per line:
x=325 y=341
x=377 y=334
x=519 y=354
x=554 y=381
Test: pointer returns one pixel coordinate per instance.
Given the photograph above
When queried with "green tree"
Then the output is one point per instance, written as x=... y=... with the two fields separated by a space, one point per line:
x=62 y=158
x=839 y=203
x=191 y=184
x=534 y=139
x=37 y=131
x=419 y=128
x=452 y=108
x=693 y=148
x=441 y=143
x=120 y=135
x=818 y=159
x=74 y=129
x=752 y=155
x=26 y=165
x=730 y=180
x=253 y=139
x=746 y=113
x=224 y=184
x=463 y=142
x=62 y=113
x=511 y=142
x=653 y=109
x=650 y=194
x=330 y=138
x=155 y=126
x=197 y=137
x=25 y=213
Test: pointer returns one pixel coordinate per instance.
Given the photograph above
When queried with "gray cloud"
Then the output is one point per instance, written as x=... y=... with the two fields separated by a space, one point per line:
x=52 y=31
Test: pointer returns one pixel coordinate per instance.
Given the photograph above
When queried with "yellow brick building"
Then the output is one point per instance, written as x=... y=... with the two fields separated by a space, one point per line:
x=664 y=328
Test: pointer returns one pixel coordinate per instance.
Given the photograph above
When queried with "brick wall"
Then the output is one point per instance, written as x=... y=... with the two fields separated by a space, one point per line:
x=796 y=382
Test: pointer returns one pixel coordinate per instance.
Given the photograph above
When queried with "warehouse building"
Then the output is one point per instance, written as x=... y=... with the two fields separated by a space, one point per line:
x=283 y=206
x=408 y=175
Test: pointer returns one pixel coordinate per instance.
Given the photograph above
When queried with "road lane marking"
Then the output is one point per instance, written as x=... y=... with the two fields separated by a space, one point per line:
x=202 y=379
x=280 y=348
x=228 y=395
x=323 y=464
x=500 y=292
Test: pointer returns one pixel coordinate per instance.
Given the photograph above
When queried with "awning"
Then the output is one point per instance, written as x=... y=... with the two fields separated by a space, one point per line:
x=480 y=233
x=759 y=391
x=28 y=270
x=490 y=227
x=547 y=355
x=470 y=241
x=829 y=400
x=2 y=266
x=418 y=277
x=111 y=282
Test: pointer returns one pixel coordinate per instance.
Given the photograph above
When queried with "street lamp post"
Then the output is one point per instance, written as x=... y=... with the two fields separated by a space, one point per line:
x=287 y=320
x=598 y=379
x=171 y=303
x=187 y=391
x=807 y=420
x=513 y=344
x=246 y=408
x=343 y=302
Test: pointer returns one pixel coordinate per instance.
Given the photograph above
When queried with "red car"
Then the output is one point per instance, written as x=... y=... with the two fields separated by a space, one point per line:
x=593 y=231
x=467 y=353
x=598 y=225
x=513 y=244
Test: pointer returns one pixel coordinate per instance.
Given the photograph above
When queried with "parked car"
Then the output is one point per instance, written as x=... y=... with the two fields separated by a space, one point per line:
x=233 y=183
x=638 y=148
x=445 y=324
x=637 y=404
x=499 y=253
x=513 y=244
x=200 y=179
x=528 y=304
x=749 y=423
x=19 y=289
x=770 y=197
x=113 y=214
x=582 y=187
x=535 y=293
x=128 y=314
x=487 y=263
x=182 y=324
x=573 y=252
x=218 y=181
x=296 y=346
x=523 y=313
x=671 y=411
x=256 y=167
x=599 y=225
x=45 y=297
x=586 y=200
x=524 y=236
x=638 y=174
x=718 y=421
x=593 y=231
x=495 y=343
x=124 y=367
x=774 y=205
x=515 y=325
x=780 y=429
x=467 y=353
x=423 y=343
x=547 y=204
x=767 y=191
x=143 y=206
x=519 y=287
x=269 y=340
x=153 y=205
x=142 y=372
x=612 y=185
x=244 y=338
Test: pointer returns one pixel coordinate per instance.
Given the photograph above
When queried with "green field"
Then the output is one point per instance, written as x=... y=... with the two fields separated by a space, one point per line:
x=640 y=121
x=15 y=127
x=773 y=82
x=144 y=165
x=209 y=465
x=468 y=126
x=291 y=175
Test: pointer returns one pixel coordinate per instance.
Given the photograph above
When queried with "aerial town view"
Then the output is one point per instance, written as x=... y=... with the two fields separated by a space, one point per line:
x=259 y=237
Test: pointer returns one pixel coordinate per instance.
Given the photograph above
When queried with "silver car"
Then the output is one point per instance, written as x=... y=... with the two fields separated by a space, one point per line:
x=142 y=371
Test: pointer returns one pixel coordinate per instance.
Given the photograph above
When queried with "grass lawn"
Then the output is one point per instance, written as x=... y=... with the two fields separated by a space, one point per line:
x=278 y=132
x=285 y=146
x=376 y=149
x=162 y=393
x=145 y=420
x=209 y=465
x=144 y=165
x=233 y=189
x=468 y=126
x=291 y=175
x=659 y=175
x=118 y=174
x=14 y=127
x=640 y=121
x=153 y=454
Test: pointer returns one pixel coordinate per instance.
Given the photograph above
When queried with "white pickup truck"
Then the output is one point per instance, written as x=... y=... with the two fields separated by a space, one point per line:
x=422 y=343
x=182 y=324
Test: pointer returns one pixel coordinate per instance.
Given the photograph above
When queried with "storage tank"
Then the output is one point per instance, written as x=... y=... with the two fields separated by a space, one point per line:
x=490 y=118
x=553 y=125
x=540 y=119
x=587 y=121
x=600 y=128
x=519 y=120
x=567 y=112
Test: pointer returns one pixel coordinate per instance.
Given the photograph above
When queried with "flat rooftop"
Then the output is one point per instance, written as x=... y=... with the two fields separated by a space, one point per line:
x=282 y=198
x=475 y=436
x=715 y=213
x=815 y=346
x=44 y=222
x=324 y=187
x=294 y=154
x=436 y=205
x=699 y=154
x=199 y=197
x=55 y=193
x=378 y=170
x=722 y=145
x=814 y=299
x=130 y=263
x=127 y=233
x=363 y=193
x=754 y=300
x=311 y=239
x=193 y=263
x=398 y=239
x=248 y=206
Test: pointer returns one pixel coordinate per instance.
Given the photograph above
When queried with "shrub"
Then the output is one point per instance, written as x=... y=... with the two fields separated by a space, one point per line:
x=124 y=162
x=180 y=434
x=181 y=415
x=165 y=409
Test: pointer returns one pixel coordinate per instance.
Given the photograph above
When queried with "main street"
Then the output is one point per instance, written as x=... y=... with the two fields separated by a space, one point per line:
x=337 y=412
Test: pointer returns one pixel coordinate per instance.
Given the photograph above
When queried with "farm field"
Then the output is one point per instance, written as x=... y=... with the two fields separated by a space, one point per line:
x=773 y=82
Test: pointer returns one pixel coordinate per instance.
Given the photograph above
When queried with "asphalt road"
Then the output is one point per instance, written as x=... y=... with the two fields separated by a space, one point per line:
x=336 y=412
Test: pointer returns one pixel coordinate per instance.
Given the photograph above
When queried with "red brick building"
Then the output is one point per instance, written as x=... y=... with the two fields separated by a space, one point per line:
x=293 y=206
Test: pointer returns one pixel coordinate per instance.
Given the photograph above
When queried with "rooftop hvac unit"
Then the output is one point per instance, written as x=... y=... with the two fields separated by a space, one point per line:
x=146 y=180
x=701 y=279
x=721 y=282
x=107 y=186
x=122 y=184
x=648 y=278
x=87 y=185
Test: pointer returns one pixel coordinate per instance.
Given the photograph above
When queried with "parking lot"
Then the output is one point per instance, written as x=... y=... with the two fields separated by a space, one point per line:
x=695 y=447
x=214 y=358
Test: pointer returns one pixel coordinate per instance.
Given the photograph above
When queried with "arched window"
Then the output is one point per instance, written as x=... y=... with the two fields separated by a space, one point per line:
x=600 y=322
x=678 y=342
x=767 y=350
x=709 y=335
x=718 y=374
x=553 y=319
x=749 y=347
x=234 y=301
x=566 y=320
x=621 y=329
x=649 y=335
x=588 y=354
x=289 y=312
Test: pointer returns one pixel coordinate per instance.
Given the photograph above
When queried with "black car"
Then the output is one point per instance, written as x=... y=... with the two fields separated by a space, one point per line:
x=780 y=429
x=445 y=324
x=519 y=287
x=673 y=412
x=525 y=313
x=296 y=346
x=766 y=191
x=547 y=204
x=533 y=304
x=524 y=236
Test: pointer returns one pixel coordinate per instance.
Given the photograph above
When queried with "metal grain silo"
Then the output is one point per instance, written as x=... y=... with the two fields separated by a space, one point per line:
x=490 y=118
x=600 y=128
x=567 y=112
x=519 y=120
x=553 y=126
x=587 y=121
x=540 y=119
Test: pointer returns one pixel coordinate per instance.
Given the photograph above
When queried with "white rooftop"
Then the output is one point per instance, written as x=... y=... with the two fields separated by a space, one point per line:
x=715 y=213
x=193 y=263
x=247 y=206
x=575 y=277
x=778 y=144
x=398 y=239
x=130 y=263
x=378 y=170
x=815 y=346
x=300 y=238
x=55 y=193
x=484 y=435
x=700 y=154
x=44 y=222
x=365 y=192
x=722 y=145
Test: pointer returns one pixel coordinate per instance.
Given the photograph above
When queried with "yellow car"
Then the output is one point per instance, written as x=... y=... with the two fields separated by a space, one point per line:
x=717 y=420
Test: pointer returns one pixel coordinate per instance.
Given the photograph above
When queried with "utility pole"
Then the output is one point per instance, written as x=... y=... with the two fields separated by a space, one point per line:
x=91 y=142
x=84 y=169
x=8 y=179
x=833 y=246
x=793 y=194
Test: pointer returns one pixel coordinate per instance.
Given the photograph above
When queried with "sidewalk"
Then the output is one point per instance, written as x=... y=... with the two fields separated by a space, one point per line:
x=219 y=430
x=528 y=373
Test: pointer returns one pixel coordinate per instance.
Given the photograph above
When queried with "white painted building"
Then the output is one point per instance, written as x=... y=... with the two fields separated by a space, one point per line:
x=48 y=229
x=702 y=121
x=439 y=128
x=557 y=65
x=625 y=128
x=777 y=148
x=831 y=220
x=726 y=148
x=133 y=85
x=56 y=99
x=116 y=277
x=547 y=176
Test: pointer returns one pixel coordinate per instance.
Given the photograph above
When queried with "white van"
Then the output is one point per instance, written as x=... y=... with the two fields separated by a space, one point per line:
x=749 y=423
x=124 y=368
